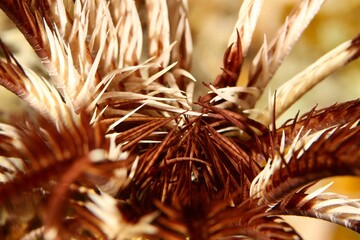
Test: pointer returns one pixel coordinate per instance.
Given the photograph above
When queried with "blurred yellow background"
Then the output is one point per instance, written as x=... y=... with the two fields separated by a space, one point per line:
x=212 y=22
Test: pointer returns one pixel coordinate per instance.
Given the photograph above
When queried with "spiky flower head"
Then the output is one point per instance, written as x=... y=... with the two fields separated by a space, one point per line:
x=117 y=148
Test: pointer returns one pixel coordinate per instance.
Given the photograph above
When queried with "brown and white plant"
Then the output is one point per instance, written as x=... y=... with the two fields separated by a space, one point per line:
x=117 y=148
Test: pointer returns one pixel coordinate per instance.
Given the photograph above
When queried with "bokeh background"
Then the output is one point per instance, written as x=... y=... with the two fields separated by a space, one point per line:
x=212 y=22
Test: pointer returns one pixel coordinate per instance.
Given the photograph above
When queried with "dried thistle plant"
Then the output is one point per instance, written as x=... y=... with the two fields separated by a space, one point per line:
x=117 y=149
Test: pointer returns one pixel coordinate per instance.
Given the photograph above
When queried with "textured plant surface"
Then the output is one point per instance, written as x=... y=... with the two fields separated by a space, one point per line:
x=115 y=146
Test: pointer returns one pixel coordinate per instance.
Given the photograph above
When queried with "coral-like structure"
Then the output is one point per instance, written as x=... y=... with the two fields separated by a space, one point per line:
x=117 y=148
